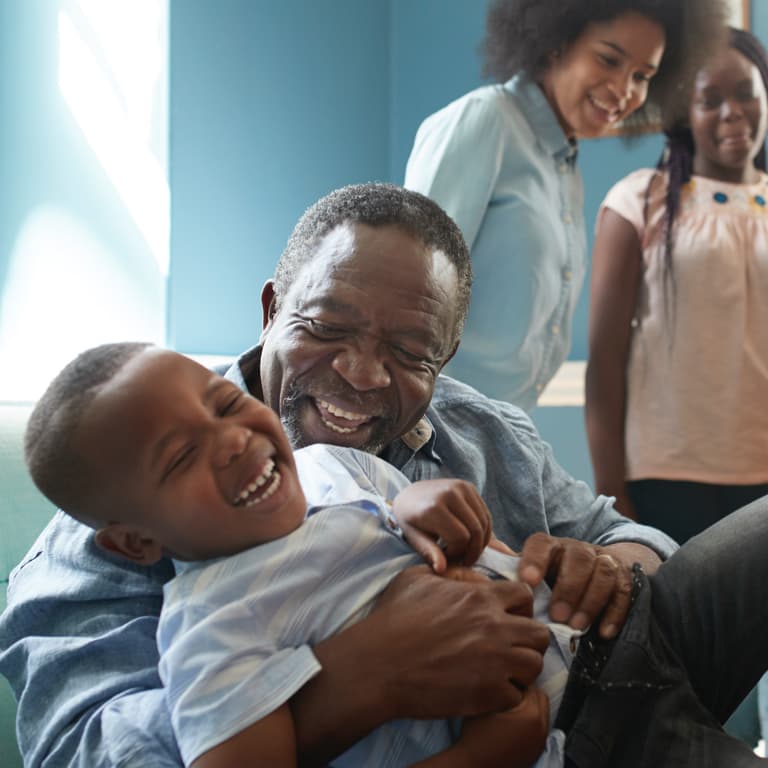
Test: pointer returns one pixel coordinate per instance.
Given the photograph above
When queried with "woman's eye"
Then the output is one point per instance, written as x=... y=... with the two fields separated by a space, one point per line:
x=609 y=61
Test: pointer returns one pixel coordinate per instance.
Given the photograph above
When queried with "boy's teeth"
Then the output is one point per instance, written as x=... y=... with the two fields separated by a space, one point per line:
x=258 y=482
x=270 y=489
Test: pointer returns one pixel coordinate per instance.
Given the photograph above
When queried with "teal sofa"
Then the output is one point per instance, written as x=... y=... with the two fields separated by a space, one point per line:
x=23 y=514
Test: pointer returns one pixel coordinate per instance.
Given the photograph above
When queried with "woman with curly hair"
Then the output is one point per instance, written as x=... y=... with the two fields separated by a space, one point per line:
x=502 y=161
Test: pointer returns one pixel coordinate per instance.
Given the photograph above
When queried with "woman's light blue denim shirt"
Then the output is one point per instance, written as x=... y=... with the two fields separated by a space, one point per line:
x=499 y=163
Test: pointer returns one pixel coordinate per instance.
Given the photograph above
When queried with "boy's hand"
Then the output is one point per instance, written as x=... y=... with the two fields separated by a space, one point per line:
x=444 y=520
x=514 y=737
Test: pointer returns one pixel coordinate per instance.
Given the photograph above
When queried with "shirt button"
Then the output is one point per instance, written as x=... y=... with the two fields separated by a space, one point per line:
x=555 y=330
x=563 y=168
x=539 y=387
x=567 y=218
x=567 y=274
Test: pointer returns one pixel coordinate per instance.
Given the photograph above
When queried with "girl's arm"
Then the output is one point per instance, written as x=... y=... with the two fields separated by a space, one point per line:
x=617 y=265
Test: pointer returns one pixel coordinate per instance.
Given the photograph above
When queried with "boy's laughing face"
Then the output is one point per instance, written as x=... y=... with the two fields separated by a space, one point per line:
x=186 y=464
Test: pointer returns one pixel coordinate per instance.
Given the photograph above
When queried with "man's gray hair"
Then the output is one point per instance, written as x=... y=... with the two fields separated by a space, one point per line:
x=378 y=205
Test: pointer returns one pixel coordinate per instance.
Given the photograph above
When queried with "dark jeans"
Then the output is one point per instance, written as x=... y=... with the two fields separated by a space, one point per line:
x=693 y=646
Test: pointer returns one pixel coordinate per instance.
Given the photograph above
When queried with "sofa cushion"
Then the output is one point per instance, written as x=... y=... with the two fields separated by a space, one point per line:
x=24 y=511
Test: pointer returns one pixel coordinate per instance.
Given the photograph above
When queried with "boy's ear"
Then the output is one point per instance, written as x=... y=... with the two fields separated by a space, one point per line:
x=130 y=542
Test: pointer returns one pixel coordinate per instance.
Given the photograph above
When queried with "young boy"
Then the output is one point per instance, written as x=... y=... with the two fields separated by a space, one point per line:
x=188 y=465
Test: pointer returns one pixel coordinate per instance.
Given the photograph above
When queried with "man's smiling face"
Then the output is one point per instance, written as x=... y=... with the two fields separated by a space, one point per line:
x=351 y=352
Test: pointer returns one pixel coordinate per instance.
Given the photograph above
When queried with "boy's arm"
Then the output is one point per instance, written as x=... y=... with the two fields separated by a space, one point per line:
x=514 y=738
x=270 y=741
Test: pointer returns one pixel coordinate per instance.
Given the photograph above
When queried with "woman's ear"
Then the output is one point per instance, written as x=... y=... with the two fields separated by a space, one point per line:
x=129 y=542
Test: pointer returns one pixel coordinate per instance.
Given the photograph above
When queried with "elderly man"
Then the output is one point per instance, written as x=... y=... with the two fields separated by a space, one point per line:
x=365 y=309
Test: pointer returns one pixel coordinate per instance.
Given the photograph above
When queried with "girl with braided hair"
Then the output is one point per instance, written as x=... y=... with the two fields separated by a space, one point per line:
x=501 y=160
x=677 y=378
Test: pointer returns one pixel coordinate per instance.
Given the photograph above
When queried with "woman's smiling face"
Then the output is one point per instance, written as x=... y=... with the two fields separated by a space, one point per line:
x=603 y=76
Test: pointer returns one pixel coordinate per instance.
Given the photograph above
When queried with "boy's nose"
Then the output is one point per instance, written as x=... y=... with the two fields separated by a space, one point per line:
x=231 y=442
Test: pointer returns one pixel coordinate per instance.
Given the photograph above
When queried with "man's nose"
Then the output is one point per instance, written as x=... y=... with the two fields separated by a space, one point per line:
x=362 y=368
x=230 y=441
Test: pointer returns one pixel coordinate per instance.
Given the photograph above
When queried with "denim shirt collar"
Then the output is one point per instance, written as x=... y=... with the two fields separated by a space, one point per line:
x=244 y=372
x=542 y=119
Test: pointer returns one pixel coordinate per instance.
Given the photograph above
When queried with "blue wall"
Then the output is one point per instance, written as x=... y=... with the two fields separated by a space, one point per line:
x=273 y=104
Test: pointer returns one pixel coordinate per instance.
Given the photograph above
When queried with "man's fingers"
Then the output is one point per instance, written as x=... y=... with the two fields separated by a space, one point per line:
x=618 y=608
x=515 y=597
x=599 y=591
x=573 y=577
x=536 y=558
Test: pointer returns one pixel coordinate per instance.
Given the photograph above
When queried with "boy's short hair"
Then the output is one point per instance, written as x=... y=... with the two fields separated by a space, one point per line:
x=56 y=466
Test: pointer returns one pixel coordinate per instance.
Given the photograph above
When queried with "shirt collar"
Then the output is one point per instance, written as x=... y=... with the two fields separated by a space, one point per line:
x=419 y=435
x=542 y=119
x=245 y=372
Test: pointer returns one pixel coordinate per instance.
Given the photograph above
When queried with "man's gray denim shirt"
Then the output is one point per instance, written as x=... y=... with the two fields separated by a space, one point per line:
x=77 y=640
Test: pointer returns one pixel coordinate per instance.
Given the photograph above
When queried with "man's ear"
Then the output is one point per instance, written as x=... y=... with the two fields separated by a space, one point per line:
x=453 y=352
x=268 y=305
x=130 y=542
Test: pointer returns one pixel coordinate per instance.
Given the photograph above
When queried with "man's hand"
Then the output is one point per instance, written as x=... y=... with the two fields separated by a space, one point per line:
x=586 y=580
x=469 y=647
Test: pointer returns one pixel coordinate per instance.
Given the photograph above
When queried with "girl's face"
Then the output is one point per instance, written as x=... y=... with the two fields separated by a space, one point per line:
x=602 y=77
x=728 y=118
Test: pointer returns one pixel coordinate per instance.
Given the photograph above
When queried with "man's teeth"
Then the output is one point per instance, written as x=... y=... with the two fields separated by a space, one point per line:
x=269 y=475
x=340 y=413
